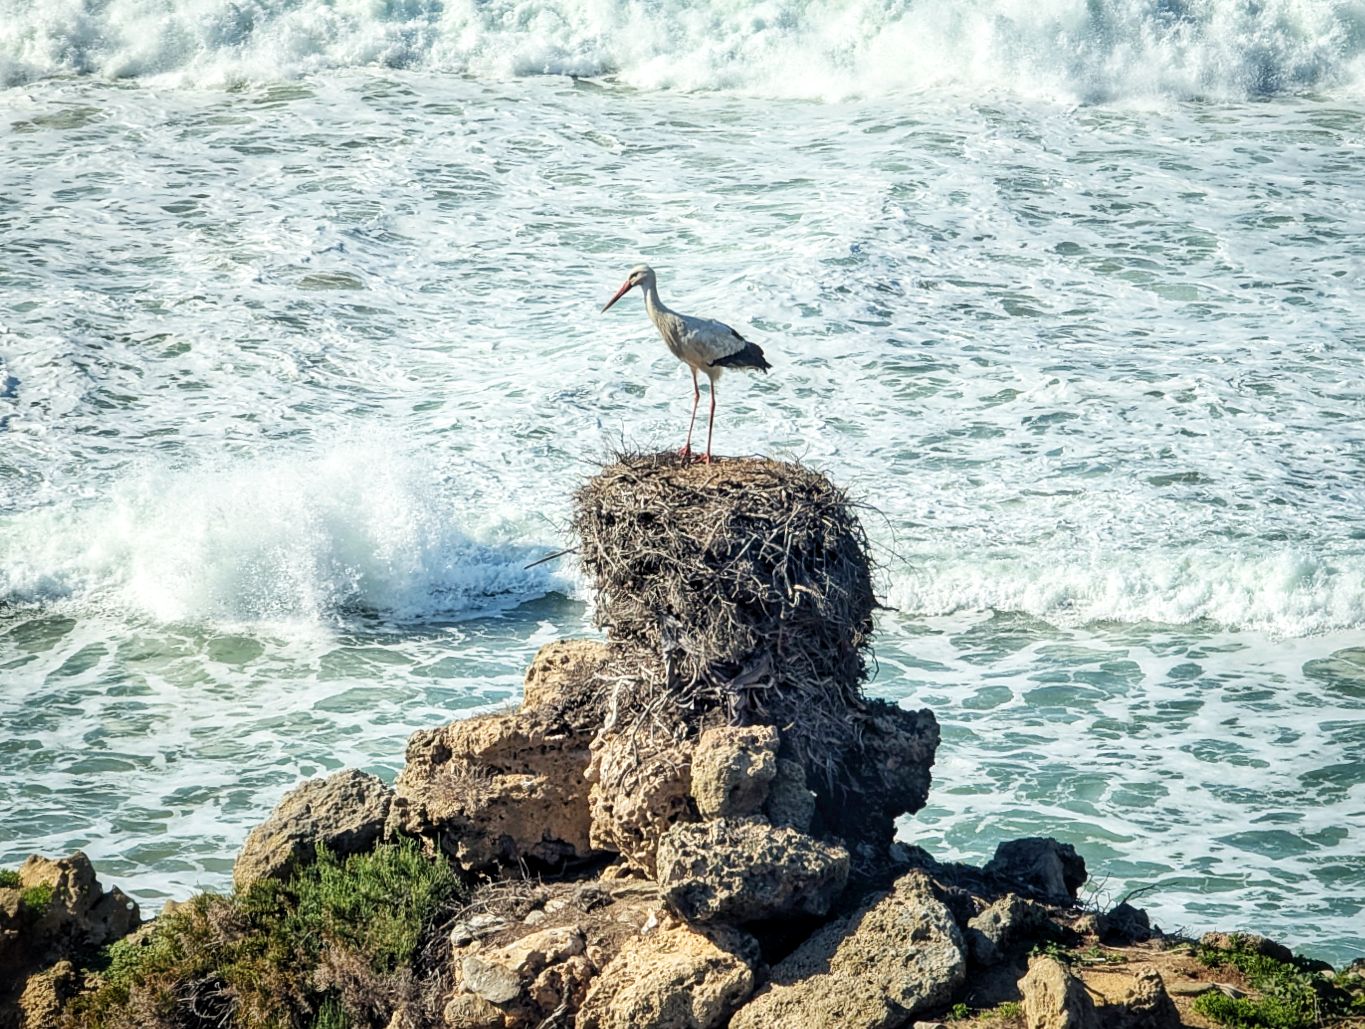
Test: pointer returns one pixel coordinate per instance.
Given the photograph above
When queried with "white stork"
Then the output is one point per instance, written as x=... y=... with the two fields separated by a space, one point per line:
x=700 y=343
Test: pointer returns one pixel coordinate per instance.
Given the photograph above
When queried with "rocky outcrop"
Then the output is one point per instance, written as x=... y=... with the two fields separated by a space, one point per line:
x=896 y=956
x=1146 y=1005
x=678 y=978
x=742 y=871
x=46 y=993
x=499 y=789
x=733 y=770
x=1053 y=998
x=345 y=812
x=639 y=788
x=1043 y=867
x=1008 y=921
x=58 y=911
x=525 y=981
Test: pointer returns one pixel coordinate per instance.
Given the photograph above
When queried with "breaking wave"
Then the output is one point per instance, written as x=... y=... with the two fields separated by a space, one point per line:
x=1081 y=49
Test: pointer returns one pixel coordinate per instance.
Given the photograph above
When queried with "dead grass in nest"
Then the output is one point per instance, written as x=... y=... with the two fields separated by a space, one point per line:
x=750 y=580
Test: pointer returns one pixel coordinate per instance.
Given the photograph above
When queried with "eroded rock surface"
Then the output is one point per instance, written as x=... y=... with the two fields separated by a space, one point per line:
x=677 y=978
x=742 y=871
x=57 y=912
x=345 y=812
x=991 y=934
x=876 y=968
x=1043 y=866
x=1053 y=998
x=498 y=789
x=639 y=787
x=733 y=769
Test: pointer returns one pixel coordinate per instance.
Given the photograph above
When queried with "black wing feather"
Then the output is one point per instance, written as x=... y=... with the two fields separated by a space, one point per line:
x=748 y=356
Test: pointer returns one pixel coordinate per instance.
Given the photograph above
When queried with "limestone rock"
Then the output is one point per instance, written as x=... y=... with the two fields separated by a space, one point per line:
x=876 y=968
x=1053 y=998
x=639 y=789
x=527 y=979
x=58 y=911
x=882 y=775
x=743 y=871
x=1124 y=924
x=44 y=996
x=504 y=788
x=345 y=812
x=1052 y=870
x=1147 y=1005
x=563 y=678
x=470 y=1011
x=790 y=801
x=1009 y=920
x=676 y=978
x=733 y=769
x=1252 y=942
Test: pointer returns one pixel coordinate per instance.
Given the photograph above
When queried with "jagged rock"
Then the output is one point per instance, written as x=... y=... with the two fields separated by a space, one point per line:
x=1053 y=998
x=733 y=769
x=470 y=1011
x=1147 y=1005
x=1124 y=924
x=529 y=978
x=58 y=911
x=876 y=968
x=1009 y=920
x=639 y=788
x=1050 y=869
x=790 y=801
x=742 y=871
x=502 y=788
x=563 y=677
x=344 y=812
x=884 y=773
x=44 y=996
x=676 y=978
x=1251 y=942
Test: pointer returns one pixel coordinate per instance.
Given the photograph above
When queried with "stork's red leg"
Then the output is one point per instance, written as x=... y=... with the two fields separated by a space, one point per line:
x=710 y=422
x=686 y=451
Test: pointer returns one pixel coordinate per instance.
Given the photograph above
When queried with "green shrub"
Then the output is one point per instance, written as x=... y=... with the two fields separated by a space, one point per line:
x=36 y=899
x=1293 y=996
x=1009 y=1010
x=257 y=959
x=9 y=878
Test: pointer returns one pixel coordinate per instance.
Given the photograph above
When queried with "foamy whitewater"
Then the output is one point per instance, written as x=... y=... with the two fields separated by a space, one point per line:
x=301 y=359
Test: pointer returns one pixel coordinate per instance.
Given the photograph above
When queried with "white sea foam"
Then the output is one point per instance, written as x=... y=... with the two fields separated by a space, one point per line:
x=302 y=538
x=790 y=48
x=1284 y=593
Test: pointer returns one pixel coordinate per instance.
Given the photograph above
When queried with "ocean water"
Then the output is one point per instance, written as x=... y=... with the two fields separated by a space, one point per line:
x=301 y=359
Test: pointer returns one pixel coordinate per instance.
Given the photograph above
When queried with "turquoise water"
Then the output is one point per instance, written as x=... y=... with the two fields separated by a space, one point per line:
x=301 y=360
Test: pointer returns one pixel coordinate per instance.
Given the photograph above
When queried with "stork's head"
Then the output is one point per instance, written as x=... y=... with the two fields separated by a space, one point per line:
x=640 y=275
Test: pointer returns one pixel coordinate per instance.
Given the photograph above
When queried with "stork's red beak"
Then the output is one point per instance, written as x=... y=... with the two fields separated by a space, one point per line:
x=619 y=294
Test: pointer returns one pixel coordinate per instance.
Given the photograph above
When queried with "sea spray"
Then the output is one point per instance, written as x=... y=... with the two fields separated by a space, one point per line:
x=788 y=48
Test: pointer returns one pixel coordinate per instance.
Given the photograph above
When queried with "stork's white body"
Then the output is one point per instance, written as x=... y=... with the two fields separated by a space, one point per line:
x=698 y=342
x=703 y=344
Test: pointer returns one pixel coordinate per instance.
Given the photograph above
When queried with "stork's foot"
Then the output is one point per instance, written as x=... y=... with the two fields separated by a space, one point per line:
x=685 y=454
x=705 y=458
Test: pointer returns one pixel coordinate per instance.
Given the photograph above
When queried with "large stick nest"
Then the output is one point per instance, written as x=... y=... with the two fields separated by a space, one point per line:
x=750 y=578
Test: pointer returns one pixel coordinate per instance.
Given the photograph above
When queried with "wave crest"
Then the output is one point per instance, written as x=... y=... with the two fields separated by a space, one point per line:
x=790 y=48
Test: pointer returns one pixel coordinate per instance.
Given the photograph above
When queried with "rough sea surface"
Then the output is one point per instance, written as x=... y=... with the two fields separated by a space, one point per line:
x=301 y=358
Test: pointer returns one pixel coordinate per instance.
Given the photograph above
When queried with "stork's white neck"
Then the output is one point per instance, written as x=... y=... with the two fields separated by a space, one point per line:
x=653 y=305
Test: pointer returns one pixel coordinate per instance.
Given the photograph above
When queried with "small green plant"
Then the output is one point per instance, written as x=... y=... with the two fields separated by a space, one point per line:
x=1293 y=996
x=9 y=878
x=36 y=899
x=1009 y=1010
x=959 y=1012
x=1053 y=949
